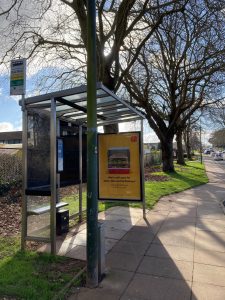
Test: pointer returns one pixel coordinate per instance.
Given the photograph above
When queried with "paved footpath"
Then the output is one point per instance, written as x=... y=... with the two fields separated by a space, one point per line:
x=176 y=253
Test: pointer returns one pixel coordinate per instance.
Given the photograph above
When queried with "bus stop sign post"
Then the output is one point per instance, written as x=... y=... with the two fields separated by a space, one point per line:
x=92 y=204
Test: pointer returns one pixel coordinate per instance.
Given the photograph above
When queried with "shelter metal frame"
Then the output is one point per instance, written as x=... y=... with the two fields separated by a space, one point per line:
x=71 y=106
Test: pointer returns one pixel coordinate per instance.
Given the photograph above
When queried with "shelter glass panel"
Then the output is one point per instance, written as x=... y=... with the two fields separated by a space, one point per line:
x=38 y=150
x=38 y=220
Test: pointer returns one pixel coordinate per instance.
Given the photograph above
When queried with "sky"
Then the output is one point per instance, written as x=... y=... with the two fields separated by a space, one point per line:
x=10 y=112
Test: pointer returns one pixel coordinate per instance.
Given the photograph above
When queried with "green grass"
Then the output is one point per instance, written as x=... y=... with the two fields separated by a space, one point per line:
x=184 y=177
x=73 y=201
x=31 y=275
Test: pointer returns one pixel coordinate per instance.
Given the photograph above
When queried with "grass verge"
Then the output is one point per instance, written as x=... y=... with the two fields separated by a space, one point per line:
x=33 y=275
x=184 y=177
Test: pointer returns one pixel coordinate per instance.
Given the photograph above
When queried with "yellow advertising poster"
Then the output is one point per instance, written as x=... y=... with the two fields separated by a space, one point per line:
x=119 y=166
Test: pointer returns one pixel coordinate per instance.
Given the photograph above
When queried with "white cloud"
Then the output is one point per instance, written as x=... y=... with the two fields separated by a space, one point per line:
x=7 y=126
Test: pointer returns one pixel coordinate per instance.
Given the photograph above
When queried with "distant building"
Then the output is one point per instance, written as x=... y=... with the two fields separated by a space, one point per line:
x=11 y=137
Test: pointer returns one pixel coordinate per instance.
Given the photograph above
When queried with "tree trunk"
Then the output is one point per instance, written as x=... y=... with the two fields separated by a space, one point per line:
x=167 y=154
x=112 y=128
x=180 y=152
x=109 y=82
x=188 y=146
x=187 y=142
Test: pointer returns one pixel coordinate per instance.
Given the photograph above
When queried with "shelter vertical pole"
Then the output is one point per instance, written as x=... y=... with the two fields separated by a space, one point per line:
x=24 y=177
x=200 y=141
x=80 y=173
x=53 y=175
x=92 y=205
x=57 y=174
x=143 y=169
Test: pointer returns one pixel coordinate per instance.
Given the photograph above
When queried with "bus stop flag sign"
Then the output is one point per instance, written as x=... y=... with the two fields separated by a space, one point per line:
x=18 y=77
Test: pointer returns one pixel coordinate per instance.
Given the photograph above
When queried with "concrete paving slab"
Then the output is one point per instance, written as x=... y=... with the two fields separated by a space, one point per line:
x=114 y=233
x=207 y=292
x=146 y=287
x=135 y=248
x=214 y=258
x=209 y=225
x=148 y=226
x=116 y=281
x=62 y=247
x=124 y=211
x=110 y=288
x=214 y=241
x=109 y=244
x=207 y=214
x=188 y=211
x=78 y=239
x=77 y=252
x=166 y=267
x=119 y=218
x=172 y=252
x=175 y=239
x=182 y=216
x=142 y=236
x=122 y=261
x=209 y=274
x=173 y=226
x=94 y=294
x=119 y=225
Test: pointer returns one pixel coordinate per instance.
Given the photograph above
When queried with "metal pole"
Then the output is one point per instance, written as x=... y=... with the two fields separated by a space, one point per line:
x=53 y=176
x=92 y=205
x=200 y=141
x=80 y=173
x=142 y=170
x=58 y=174
x=24 y=177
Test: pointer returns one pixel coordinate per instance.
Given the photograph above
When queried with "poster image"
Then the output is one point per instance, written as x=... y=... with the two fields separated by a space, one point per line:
x=119 y=163
x=119 y=160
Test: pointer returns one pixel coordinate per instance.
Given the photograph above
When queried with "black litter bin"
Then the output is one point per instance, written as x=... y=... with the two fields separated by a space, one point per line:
x=62 y=221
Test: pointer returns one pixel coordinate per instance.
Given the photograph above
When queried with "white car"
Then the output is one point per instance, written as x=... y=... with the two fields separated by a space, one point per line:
x=218 y=156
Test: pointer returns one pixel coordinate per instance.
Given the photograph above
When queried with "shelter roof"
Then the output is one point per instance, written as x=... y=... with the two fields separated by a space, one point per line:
x=71 y=105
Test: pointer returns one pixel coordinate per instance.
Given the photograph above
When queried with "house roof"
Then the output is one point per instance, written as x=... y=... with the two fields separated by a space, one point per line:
x=11 y=135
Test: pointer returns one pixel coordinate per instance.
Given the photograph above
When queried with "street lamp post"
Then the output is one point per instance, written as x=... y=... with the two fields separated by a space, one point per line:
x=92 y=205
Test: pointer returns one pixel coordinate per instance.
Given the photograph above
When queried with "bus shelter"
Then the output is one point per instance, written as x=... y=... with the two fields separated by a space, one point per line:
x=54 y=152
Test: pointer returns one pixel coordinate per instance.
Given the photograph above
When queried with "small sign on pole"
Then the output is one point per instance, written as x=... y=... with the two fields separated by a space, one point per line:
x=18 y=77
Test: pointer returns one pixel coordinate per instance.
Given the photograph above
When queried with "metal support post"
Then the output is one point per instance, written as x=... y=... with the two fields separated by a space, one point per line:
x=58 y=174
x=142 y=169
x=80 y=173
x=200 y=141
x=92 y=205
x=24 y=177
x=53 y=176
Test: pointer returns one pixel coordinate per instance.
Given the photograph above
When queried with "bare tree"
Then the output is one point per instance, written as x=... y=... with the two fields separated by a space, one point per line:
x=217 y=138
x=54 y=33
x=180 y=70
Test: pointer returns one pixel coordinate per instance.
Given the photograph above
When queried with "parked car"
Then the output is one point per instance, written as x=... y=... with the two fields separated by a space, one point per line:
x=207 y=151
x=218 y=156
